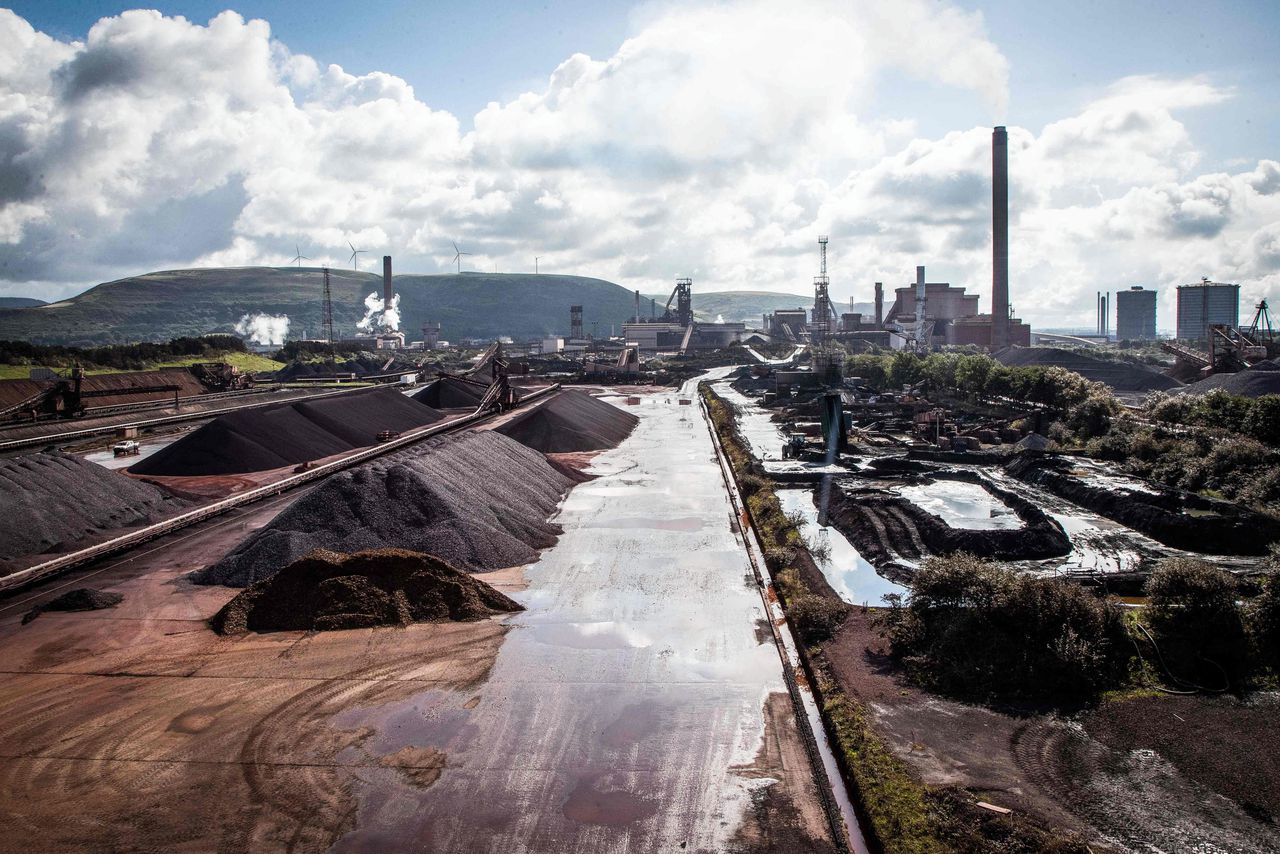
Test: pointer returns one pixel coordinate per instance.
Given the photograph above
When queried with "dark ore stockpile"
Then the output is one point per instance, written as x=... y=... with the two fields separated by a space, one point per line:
x=325 y=591
x=80 y=599
x=1121 y=376
x=288 y=434
x=49 y=501
x=571 y=421
x=1255 y=382
x=450 y=393
x=363 y=365
x=478 y=501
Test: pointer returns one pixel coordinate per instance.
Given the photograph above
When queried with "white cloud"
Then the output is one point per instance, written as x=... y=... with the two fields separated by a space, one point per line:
x=718 y=142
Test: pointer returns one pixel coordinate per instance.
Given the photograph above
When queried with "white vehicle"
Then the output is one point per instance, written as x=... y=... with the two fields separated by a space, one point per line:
x=126 y=448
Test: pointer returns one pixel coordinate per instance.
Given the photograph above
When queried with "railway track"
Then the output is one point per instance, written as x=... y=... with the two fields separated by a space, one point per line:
x=64 y=563
x=103 y=429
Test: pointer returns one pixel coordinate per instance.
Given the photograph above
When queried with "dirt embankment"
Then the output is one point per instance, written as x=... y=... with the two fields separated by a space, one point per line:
x=571 y=421
x=887 y=527
x=478 y=501
x=1179 y=519
x=384 y=587
x=49 y=502
x=291 y=433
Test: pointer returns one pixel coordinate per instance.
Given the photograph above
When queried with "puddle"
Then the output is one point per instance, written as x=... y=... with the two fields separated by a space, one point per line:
x=609 y=635
x=962 y=505
x=849 y=574
x=613 y=807
x=687 y=524
x=755 y=424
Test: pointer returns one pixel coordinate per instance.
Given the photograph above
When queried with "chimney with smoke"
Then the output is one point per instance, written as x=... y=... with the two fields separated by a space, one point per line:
x=999 y=239
x=388 y=289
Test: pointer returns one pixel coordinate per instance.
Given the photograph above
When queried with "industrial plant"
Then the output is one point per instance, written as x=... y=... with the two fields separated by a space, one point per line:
x=636 y=576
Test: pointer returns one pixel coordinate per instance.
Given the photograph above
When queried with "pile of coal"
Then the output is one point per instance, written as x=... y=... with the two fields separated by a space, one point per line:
x=276 y=436
x=478 y=501
x=51 y=501
x=326 y=591
x=80 y=599
x=571 y=421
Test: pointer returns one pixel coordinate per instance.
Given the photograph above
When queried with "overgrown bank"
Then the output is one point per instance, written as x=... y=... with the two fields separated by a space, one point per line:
x=898 y=813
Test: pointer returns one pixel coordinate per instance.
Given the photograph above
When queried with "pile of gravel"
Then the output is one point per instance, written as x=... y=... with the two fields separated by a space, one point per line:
x=571 y=421
x=362 y=365
x=449 y=393
x=478 y=501
x=49 y=501
x=1120 y=376
x=80 y=599
x=385 y=587
x=1255 y=382
x=288 y=434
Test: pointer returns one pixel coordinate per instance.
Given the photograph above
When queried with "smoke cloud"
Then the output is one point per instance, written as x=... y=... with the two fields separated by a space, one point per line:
x=266 y=329
x=379 y=317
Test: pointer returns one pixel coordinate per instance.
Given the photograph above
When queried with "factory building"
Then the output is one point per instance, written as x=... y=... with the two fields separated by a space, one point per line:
x=1136 y=314
x=786 y=324
x=1203 y=305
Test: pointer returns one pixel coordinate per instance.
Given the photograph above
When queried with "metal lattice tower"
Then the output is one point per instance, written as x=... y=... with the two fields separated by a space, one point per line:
x=575 y=322
x=327 y=320
x=821 y=326
x=684 y=301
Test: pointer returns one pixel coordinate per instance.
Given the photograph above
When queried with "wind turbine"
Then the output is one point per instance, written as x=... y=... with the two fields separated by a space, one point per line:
x=298 y=257
x=355 y=256
x=457 y=255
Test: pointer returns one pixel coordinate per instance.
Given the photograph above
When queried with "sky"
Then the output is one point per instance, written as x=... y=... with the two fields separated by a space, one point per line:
x=640 y=142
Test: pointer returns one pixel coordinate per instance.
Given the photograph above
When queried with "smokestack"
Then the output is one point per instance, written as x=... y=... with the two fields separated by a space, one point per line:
x=1000 y=238
x=637 y=305
x=388 y=289
x=920 y=299
x=879 y=304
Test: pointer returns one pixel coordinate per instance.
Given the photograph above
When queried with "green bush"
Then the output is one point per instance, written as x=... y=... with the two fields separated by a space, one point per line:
x=816 y=618
x=1193 y=610
x=1262 y=618
x=977 y=630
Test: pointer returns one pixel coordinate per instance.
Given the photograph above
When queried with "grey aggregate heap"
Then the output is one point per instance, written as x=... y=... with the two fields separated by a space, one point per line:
x=50 y=501
x=478 y=501
x=571 y=421
x=287 y=434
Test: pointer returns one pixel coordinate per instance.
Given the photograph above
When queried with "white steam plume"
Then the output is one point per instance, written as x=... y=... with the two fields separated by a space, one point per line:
x=378 y=316
x=267 y=329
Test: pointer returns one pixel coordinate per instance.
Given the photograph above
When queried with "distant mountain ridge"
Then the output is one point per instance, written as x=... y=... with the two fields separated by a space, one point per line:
x=20 y=302
x=162 y=305
x=167 y=304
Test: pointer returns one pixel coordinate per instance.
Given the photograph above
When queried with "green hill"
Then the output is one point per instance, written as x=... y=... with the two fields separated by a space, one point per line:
x=160 y=306
x=19 y=302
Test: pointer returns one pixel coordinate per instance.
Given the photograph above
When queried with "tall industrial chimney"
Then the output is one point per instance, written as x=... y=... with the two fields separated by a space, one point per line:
x=388 y=289
x=920 y=300
x=879 y=304
x=1000 y=239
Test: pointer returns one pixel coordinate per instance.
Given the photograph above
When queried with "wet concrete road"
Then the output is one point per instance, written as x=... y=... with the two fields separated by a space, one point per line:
x=626 y=710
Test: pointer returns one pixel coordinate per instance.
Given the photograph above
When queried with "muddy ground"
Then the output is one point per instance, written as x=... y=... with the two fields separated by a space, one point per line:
x=632 y=707
x=1164 y=773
